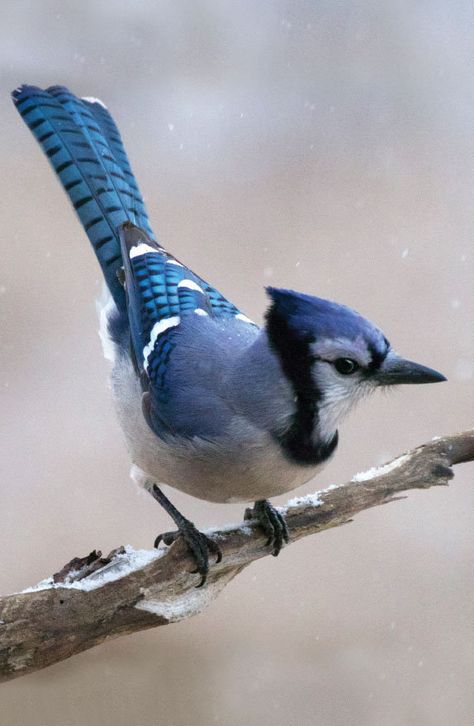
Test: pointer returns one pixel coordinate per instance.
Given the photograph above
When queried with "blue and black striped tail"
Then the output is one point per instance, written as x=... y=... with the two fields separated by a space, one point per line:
x=83 y=145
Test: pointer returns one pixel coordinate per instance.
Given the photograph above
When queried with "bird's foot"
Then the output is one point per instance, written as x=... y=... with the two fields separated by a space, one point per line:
x=272 y=522
x=199 y=544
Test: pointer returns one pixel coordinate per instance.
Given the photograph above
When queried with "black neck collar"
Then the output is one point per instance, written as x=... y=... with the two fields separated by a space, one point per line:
x=294 y=353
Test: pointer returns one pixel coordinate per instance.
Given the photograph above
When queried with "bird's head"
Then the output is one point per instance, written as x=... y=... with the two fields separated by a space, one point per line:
x=333 y=356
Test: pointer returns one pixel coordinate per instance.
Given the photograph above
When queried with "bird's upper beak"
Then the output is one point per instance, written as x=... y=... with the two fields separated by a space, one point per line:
x=395 y=370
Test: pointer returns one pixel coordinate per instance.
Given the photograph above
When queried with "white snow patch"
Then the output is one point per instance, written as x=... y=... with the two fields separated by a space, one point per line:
x=157 y=330
x=42 y=585
x=313 y=500
x=141 y=249
x=404 y=253
x=216 y=531
x=121 y=566
x=380 y=470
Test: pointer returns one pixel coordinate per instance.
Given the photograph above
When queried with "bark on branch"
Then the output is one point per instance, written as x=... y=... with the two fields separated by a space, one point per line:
x=95 y=598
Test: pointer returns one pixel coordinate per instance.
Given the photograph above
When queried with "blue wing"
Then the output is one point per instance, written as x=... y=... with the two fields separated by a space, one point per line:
x=162 y=293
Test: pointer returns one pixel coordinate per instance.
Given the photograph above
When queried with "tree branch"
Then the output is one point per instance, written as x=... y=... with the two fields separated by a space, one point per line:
x=94 y=598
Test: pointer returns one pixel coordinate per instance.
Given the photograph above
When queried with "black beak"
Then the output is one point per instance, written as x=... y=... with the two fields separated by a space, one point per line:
x=395 y=370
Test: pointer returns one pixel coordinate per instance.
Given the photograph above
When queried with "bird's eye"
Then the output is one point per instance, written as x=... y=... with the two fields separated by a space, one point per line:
x=346 y=366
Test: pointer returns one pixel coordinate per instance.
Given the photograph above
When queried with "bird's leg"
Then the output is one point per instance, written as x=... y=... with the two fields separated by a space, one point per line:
x=200 y=545
x=272 y=522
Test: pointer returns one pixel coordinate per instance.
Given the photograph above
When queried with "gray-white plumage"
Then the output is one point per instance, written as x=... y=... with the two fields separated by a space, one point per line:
x=243 y=462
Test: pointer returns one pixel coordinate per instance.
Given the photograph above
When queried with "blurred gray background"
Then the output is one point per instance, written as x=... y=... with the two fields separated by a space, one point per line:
x=324 y=146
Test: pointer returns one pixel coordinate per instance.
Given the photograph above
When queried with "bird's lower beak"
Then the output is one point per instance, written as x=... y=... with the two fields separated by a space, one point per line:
x=395 y=370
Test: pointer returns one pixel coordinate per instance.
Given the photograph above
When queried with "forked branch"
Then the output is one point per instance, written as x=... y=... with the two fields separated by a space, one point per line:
x=94 y=598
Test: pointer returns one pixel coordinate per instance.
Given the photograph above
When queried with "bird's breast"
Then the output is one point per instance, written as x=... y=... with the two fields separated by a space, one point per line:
x=244 y=464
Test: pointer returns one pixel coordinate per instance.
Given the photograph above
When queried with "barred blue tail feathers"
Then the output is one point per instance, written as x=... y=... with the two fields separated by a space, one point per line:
x=85 y=149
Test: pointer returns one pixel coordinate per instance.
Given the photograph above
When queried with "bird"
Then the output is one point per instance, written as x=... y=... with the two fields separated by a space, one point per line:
x=210 y=403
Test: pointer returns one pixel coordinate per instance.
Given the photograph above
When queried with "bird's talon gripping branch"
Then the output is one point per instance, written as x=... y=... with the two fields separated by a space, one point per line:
x=272 y=522
x=199 y=545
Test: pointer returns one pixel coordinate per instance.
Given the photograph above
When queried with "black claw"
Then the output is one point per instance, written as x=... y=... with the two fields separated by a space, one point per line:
x=167 y=538
x=272 y=522
x=214 y=549
x=199 y=544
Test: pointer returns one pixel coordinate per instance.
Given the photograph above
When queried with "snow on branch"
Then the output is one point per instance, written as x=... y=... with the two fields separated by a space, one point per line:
x=94 y=597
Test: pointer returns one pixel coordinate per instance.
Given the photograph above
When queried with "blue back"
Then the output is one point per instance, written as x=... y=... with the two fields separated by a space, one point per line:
x=164 y=298
x=84 y=147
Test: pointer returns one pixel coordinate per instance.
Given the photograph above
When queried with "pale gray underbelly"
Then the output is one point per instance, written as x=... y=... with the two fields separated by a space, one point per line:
x=245 y=465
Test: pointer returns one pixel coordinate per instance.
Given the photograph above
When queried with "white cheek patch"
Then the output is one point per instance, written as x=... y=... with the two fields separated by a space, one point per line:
x=338 y=396
x=190 y=285
x=157 y=330
x=141 y=249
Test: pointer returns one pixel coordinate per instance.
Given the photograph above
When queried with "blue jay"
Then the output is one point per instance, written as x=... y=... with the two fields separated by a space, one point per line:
x=210 y=403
